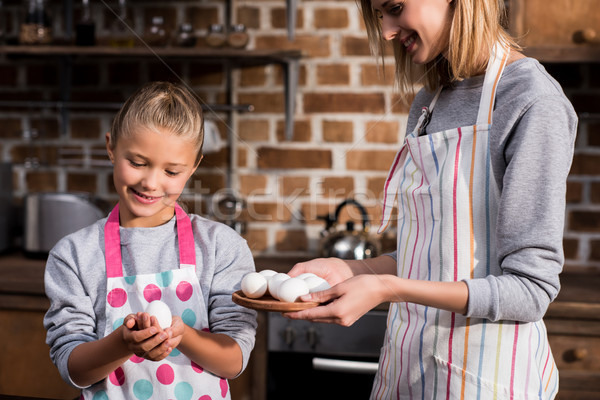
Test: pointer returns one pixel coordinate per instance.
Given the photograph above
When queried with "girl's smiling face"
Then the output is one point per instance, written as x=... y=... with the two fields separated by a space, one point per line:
x=421 y=26
x=150 y=172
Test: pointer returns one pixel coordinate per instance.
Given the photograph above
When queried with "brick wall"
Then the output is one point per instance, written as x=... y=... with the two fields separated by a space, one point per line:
x=348 y=124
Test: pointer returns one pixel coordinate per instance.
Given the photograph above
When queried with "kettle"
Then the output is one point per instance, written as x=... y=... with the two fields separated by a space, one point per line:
x=349 y=244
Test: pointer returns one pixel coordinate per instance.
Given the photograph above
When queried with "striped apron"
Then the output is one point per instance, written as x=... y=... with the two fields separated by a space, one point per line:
x=447 y=209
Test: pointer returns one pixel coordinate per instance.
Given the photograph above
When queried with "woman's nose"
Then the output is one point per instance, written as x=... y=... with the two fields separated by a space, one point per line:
x=389 y=30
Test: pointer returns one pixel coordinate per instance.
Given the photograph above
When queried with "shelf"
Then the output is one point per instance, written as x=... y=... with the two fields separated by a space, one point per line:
x=210 y=54
x=564 y=54
x=288 y=59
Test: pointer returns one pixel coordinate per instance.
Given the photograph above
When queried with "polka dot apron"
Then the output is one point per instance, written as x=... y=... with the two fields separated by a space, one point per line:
x=447 y=209
x=175 y=377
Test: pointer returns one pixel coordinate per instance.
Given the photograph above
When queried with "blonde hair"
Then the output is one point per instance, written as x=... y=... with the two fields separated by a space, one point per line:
x=158 y=106
x=476 y=26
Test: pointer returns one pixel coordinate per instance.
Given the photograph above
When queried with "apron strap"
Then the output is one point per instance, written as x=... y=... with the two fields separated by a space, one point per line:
x=112 y=245
x=187 y=247
x=495 y=67
x=112 y=242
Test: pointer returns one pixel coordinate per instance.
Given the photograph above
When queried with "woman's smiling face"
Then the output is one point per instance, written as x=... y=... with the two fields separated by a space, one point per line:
x=150 y=172
x=421 y=26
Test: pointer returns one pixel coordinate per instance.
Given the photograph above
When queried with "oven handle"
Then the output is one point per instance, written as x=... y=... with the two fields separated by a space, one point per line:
x=356 y=367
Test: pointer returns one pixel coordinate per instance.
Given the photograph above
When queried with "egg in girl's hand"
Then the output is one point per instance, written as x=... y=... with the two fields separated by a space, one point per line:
x=162 y=313
x=275 y=281
x=291 y=289
x=316 y=284
x=254 y=285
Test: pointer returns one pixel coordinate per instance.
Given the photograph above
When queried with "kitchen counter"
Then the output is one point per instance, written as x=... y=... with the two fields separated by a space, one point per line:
x=573 y=323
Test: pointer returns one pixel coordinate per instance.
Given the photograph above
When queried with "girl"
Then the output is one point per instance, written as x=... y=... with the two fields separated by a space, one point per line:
x=480 y=184
x=100 y=279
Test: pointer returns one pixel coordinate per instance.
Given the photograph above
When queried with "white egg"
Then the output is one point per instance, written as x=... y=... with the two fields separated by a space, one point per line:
x=275 y=281
x=267 y=273
x=306 y=275
x=316 y=284
x=291 y=289
x=162 y=313
x=254 y=285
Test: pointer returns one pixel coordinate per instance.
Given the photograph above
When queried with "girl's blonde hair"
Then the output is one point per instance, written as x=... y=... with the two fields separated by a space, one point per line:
x=161 y=106
x=476 y=26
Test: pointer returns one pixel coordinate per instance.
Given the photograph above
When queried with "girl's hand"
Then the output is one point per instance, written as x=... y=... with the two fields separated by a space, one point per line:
x=144 y=337
x=175 y=332
x=346 y=302
x=333 y=270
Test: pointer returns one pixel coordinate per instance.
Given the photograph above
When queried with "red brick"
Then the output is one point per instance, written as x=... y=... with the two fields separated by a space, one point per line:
x=586 y=164
x=294 y=186
x=377 y=75
x=375 y=187
x=279 y=18
x=253 y=130
x=574 y=192
x=584 y=221
x=571 y=248
x=266 y=212
x=81 y=182
x=333 y=74
x=203 y=17
x=41 y=181
x=355 y=46
x=257 y=239
x=376 y=160
x=86 y=128
x=253 y=184
x=344 y=102
x=206 y=183
x=302 y=131
x=293 y=240
x=595 y=192
x=330 y=18
x=383 y=132
x=338 y=131
x=253 y=76
x=263 y=102
x=593 y=133
x=249 y=16
x=293 y=158
x=336 y=187
x=311 y=46
x=595 y=250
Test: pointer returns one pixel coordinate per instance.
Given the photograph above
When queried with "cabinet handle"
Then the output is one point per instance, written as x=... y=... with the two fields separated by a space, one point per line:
x=579 y=354
x=588 y=35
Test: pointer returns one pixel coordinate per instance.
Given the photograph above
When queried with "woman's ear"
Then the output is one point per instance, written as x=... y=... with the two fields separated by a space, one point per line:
x=109 y=148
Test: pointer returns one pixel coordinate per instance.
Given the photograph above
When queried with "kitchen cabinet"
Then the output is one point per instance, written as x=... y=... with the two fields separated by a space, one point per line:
x=557 y=31
x=573 y=322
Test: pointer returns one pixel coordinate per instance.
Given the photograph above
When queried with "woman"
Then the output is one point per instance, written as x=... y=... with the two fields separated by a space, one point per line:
x=480 y=183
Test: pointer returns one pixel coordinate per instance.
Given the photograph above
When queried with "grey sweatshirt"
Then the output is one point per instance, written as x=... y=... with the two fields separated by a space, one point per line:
x=75 y=281
x=532 y=139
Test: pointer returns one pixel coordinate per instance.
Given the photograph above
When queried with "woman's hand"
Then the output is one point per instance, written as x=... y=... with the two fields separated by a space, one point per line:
x=333 y=270
x=346 y=302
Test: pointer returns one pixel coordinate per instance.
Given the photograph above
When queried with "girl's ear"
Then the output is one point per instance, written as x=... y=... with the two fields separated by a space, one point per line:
x=109 y=148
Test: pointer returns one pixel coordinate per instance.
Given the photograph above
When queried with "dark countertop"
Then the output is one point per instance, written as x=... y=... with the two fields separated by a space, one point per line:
x=22 y=285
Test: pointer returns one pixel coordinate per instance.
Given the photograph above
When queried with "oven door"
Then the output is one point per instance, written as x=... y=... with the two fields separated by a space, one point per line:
x=310 y=360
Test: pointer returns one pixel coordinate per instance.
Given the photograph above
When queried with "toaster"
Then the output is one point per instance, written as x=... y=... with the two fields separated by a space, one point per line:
x=50 y=216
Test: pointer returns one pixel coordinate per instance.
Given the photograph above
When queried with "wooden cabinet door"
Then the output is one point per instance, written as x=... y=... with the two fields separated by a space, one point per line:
x=555 y=23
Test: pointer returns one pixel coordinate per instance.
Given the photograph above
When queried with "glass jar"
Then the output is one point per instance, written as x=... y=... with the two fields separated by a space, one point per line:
x=85 y=29
x=237 y=37
x=37 y=26
x=216 y=36
x=156 y=35
x=185 y=36
x=121 y=29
